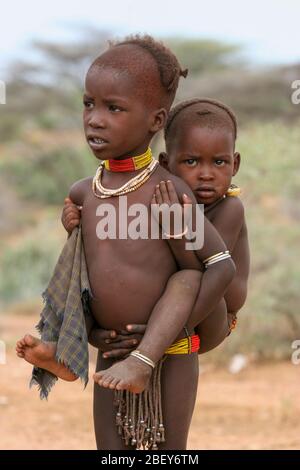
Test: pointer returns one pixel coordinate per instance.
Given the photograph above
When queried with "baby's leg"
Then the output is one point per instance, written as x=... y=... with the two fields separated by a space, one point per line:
x=42 y=354
x=179 y=389
x=167 y=320
x=214 y=329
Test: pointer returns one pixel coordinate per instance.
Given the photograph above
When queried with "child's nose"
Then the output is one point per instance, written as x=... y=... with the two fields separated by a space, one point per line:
x=97 y=119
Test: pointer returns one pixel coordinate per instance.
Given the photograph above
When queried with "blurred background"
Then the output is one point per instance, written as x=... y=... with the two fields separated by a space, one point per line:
x=246 y=55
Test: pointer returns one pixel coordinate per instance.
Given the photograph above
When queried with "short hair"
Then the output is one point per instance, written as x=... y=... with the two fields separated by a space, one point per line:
x=167 y=64
x=204 y=112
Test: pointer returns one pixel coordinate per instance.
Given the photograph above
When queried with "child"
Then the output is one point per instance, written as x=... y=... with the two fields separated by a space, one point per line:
x=204 y=130
x=129 y=90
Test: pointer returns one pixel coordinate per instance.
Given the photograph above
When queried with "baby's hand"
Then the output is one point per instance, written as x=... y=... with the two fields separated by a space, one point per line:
x=165 y=193
x=115 y=345
x=70 y=215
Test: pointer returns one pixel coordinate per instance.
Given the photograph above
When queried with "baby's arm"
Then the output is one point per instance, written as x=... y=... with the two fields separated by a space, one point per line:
x=230 y=223
x=229 y=220
x=218 y=276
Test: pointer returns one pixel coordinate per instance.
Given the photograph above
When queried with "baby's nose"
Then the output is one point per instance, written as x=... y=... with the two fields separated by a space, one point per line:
x=205 y=175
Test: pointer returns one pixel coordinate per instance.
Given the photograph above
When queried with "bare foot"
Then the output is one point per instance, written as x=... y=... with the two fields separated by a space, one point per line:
x=130 y=374
x=42 y=354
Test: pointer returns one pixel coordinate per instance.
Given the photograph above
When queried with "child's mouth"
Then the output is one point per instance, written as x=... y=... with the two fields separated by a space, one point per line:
x=96 y=143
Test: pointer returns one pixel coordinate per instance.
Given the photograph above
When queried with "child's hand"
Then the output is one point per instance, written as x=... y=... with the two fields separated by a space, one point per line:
x=70 y=215
x=115 y=345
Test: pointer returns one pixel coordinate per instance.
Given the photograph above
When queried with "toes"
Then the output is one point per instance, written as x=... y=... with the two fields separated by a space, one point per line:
x=30 y=341
x=105 y=382
x=98 y=376
x=20 y=348
x=21 y=343
x=113 y=384
x=122 y=385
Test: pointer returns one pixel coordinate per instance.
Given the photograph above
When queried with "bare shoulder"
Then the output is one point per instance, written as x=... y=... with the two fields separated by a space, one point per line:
x=79 y=190
x=228 y=218
x=229 y=213
x=232 y=207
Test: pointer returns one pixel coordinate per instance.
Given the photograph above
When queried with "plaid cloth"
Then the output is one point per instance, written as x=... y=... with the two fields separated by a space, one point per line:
x=65 y=313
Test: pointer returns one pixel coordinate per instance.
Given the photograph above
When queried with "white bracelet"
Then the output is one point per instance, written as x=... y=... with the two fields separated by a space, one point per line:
x=143 y=358
x=169 y=236
x=216 y=258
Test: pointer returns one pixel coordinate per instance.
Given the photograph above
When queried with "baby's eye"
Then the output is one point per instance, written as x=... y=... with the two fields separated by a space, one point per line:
x=191 y=162
x=88 y=104
x=220 y=162
x=114 y=108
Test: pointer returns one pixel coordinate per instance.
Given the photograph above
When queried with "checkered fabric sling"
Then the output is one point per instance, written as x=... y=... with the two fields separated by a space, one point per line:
x=63 y=319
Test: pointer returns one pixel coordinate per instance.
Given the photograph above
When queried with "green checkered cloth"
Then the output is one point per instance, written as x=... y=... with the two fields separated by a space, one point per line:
x=65 y=314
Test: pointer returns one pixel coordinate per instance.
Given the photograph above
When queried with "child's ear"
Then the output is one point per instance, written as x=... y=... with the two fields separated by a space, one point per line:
x=159 y=120
x=236 y=163
x=164 y=160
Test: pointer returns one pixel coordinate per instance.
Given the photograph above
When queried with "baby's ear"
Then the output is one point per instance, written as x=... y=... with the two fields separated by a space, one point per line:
x=236 y=163
x=164 y=160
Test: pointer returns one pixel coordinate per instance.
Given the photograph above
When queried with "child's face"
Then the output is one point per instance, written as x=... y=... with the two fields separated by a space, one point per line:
x=115 y=115
x=205 y=160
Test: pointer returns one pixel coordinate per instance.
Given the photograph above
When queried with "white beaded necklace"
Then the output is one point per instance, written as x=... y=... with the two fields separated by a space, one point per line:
x=134 y=183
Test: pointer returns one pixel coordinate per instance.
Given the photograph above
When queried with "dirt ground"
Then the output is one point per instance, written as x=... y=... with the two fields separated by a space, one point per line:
x=259 y=408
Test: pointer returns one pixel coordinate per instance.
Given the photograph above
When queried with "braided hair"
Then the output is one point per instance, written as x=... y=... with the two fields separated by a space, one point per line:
x=165 y=63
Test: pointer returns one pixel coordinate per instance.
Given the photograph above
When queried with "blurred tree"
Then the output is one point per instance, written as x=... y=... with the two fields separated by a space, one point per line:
x=207 y=56
x=47 y=92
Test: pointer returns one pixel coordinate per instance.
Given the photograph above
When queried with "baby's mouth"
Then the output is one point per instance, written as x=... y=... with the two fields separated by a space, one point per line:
x=205 y=192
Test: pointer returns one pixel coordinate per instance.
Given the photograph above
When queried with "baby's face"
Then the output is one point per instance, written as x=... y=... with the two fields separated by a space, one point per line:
x=115 y=118
x=205 y=159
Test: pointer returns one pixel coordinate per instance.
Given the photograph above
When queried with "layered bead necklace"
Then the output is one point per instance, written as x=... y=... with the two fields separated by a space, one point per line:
x=128 y=164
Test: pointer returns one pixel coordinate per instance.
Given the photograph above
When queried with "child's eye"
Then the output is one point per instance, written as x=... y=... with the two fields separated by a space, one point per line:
x=114 y=108
x=220 y=162
x=88 y=104
x=191 y=162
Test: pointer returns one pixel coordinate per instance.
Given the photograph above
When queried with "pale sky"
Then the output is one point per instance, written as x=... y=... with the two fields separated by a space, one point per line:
x=269 y=29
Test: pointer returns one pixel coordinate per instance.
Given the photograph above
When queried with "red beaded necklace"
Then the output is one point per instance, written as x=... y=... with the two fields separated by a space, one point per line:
x=129 y=164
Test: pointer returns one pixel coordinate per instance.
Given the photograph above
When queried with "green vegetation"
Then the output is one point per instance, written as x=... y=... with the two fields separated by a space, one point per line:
x=26 y=270
x=47 y=176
